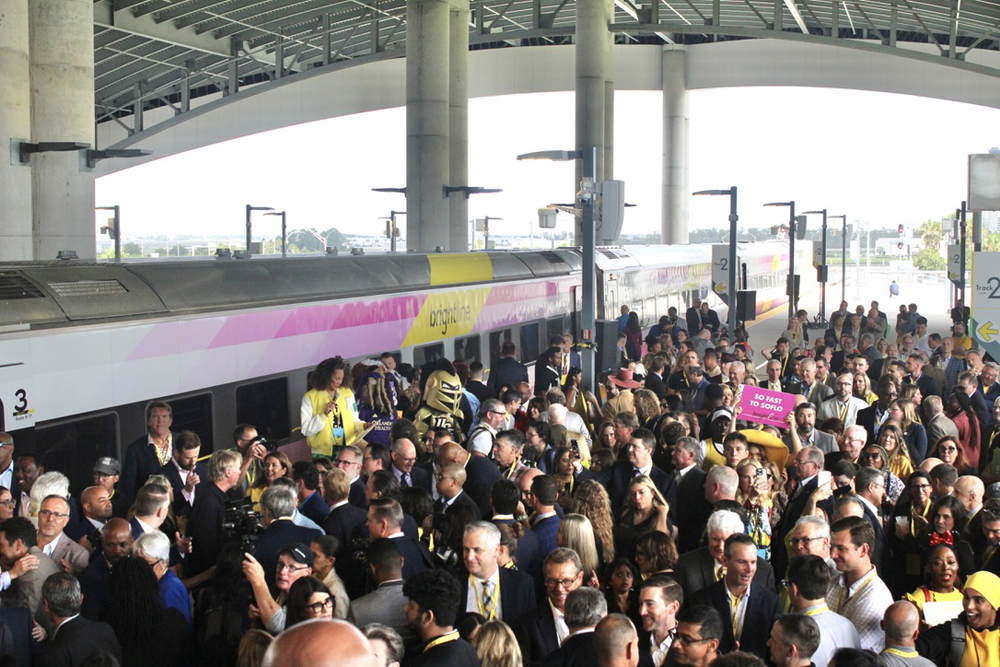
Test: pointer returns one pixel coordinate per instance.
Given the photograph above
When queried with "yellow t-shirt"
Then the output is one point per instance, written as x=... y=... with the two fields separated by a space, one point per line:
x=919 y=597
x=322 y=443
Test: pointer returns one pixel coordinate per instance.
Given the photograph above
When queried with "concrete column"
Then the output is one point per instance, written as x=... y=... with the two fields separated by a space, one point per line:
x=427 y=145
x=61 y=34
x=609 y=100
x=674 y=222
x=15 y=123
x=458 y=123
x=592 y=55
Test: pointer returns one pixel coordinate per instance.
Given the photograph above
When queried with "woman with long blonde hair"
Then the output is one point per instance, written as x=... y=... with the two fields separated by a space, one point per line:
x=890 y=437
x=753 y=493
x=592 y=501
x=863 y=388
x=576 y=533
x=905 y=412
x=645 y=510
x=496 y=645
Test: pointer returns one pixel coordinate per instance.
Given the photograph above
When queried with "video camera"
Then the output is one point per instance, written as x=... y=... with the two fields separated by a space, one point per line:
x=241 y=523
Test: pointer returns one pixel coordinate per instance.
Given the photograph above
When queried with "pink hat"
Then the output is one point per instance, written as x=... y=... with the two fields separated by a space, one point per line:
x=624 y=379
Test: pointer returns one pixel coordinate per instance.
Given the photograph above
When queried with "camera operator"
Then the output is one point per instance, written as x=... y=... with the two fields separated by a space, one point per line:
x=277 y=505
x=252 y=449
x=208 y=513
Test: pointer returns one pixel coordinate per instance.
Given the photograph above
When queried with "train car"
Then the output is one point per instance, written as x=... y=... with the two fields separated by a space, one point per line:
x=84 y=346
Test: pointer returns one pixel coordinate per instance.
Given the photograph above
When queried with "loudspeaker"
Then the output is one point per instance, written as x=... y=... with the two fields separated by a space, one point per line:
x=606 y=339
x=798 y=282
x=746 y=305
x=822 y=272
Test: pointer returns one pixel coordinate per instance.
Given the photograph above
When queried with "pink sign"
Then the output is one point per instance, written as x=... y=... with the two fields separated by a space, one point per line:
x=765 y=406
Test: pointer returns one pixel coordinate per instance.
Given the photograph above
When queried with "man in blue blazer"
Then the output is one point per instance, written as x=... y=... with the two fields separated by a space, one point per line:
x=545 y=522
x=278 y=504
x=506 y=371
x=148 y=453
x=640 y=462
x=756 y=607
x=311 y=503
x=404 y=458
x=486 y=588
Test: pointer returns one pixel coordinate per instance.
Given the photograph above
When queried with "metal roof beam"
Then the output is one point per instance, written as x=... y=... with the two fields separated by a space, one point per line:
x=107 y=16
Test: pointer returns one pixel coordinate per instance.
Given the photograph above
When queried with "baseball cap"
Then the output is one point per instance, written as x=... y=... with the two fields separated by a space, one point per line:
x=299 y=552
x=107 y=466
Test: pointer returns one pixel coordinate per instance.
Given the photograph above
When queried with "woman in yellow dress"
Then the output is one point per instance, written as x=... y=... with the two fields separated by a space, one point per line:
x=943 y=579
x=329 y=409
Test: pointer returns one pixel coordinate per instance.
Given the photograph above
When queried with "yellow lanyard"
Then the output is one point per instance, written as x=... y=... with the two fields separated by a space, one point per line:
x=490 y=614
x=822 y=609
x=163 y=455
x=443 y=639
x=840 y=595
x=902 y=653
x=510 y=472
x=842 y=414
x=735 y=605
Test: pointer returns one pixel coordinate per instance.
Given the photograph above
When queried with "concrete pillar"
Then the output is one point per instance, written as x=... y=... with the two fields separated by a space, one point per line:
x=674 y=222
x=61 y=34
x=15 y=123
x=592 y=55
x=427 y=125
x=458 y=122
x=609 y=100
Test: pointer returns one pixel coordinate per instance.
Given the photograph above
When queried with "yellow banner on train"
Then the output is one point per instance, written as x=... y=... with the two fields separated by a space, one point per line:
x=447 y=314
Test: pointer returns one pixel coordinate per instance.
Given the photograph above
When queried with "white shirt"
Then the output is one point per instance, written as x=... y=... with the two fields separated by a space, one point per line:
x=863 y=604
x=51 y=546
x=95 y=523
x=336 y=505
x=475 y=595
x=7 y=476
x=659 y=651
x=562 y=630
x=184 y=478
x=741 y=610
x=684 y=471
x=482 y=443
x=146 y=528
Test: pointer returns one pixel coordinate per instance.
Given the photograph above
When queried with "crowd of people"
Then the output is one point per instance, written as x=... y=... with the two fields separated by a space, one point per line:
x=648 y=522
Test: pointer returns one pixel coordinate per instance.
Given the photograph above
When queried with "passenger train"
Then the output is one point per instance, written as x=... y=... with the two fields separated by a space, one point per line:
x=84 y=346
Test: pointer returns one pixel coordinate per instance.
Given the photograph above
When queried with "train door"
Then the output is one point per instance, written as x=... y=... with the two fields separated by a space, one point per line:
x=611 y=304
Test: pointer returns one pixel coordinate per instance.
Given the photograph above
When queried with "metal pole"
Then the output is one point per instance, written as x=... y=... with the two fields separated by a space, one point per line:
x=791 y=260
x=822 y=285
x=843 y=263
x=733 y=296
x=961 y=282
x=486 y=233
x=589 y=233
x=118 y=233
x=284 y=237
x=249 y=240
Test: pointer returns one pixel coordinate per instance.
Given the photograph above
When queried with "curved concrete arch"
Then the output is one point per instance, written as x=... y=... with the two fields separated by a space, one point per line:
x=381 y=85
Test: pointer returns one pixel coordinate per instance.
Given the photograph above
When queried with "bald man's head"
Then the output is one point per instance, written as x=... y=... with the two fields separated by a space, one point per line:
x=930 y=463
x=451 y=452
x=901 y=623
x=616 y=642
x=320 y=643
x=970 y=489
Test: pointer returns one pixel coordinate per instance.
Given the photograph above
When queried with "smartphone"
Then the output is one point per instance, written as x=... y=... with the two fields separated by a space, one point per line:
x=824 y=478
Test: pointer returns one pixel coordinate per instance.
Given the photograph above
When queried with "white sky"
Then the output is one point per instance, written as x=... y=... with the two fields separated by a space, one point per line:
x=877 y=157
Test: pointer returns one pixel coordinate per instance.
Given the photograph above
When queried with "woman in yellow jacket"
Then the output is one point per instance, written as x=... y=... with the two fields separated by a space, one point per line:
x=329 y=409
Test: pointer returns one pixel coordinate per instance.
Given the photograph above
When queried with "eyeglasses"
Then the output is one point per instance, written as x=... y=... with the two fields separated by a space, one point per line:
x=7 y=503
x=285 y=567
x=565 y=583
x=45 y=514
x=799 y=541
x=319 y=607
x=684 y=640
x=341 y=462
x=412 y=459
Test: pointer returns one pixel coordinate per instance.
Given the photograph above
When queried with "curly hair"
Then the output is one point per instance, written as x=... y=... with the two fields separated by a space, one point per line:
x=319 y=377
x=659 y=550
x=647 y=405
x=134 y=609
x=592 y=501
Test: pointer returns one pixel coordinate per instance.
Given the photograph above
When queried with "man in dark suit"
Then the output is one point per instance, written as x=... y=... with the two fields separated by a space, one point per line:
x=385 y=519
x=585 y=607
x=483 y=580
x=840 y=357
x=350 y=459
x=693 y=316
x=475 y=385
x=654 y=377
x=277 y=506
x=702 y=567
x=116 y=543
x=504 y=498
x=756 y=607
x=547 y=370
x=184 y=472
x=480 y=472
x=536 y=630
x=343 y=517
x=545 y=522
x=150 y=452
x=506 y=371
x=806 y=466
x=914 y=368
x=871 y=418
x=307 y=483
x=869 y=486
x=404 y=458
x=452 y=500
x=659 y=601
x=208 y=513
x=640 y=462
x=690 y=494
x=76 y=638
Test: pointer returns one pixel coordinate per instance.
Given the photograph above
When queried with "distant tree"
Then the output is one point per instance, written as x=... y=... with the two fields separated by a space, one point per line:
x=334 y=238
x=130 y=249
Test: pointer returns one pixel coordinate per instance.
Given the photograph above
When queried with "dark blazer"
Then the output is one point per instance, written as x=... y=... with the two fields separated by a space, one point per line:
x=314 y=508
x=18 y=620
x=341 y=522
x=528 y=556
x=420 y=478
x=462 y=500
x=205 y=529
x=696 y=570
x=478 y=389
x=691 y=496
x=94 y=586
x=181 y=506
x=694 y=321
x=481 y=473
x=621 y=477
x=879 y=535
x=276 y=537
x=545 y=378
x=140 y=462
x=76 y=640
x=546 y=530
x=536 y=634
x=416 y=558
x=779 y=554
x=506 y=371
x=576 y=651
x=458 y=653
x=655 y=384
x=170 y=644
x=867 y=418
x=356 y=495
x=928 y=385
x=763 y=608
x=837 y=362
x=517 y=593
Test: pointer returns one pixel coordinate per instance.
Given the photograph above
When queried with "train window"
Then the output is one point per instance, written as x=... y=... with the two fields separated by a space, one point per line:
x=427 y=354
x=194 y=413
x=554 y=327
x=529 y=342
x=497 y=339
x=72 y=447
x=265 y=405
x=467 y=349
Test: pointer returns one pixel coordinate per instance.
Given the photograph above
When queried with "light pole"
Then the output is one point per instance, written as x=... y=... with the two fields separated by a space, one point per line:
x=843 y=257
x=822 y=266
x=390 y=228
x=284 y=233
x=486 y=232
x=251 y=209
x=114 y=227
x=589 y=232
x=733 y=217
x=791 y=254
